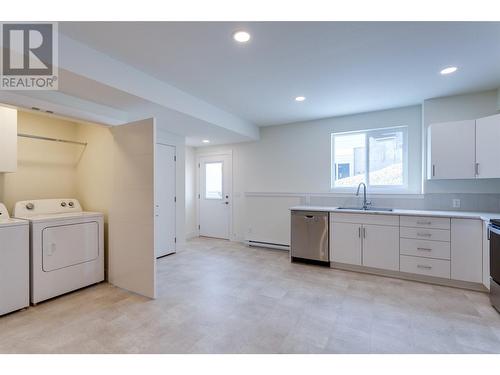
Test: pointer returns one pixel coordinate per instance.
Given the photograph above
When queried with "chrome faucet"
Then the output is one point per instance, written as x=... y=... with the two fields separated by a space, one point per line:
x=365 y=202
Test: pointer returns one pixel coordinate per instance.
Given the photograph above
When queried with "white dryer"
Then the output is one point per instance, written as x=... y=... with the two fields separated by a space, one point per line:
x=66 y=246
x=14 y=263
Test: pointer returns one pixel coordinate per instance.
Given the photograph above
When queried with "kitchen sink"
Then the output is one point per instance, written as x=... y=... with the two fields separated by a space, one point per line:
x=365 y=209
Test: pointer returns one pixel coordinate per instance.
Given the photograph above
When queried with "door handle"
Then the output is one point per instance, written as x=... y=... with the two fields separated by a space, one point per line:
x=477 y=169
x=424 y=234
x=423 y=249
x=425 y=267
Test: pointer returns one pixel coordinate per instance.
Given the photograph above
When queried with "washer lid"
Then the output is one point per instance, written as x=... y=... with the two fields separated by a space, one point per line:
x=6 y=221
x=4 y=214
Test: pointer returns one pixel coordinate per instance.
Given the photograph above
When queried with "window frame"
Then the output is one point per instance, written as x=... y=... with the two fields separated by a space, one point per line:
x=205 y=182
x=384 y=189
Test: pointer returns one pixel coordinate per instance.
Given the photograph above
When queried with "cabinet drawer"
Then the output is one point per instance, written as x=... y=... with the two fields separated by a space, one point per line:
x=425 y=248
x=365 y=218
x=425 y=266
x=425 y=222
x=425 y=234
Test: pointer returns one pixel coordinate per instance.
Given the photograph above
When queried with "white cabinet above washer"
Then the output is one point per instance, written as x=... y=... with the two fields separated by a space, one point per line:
x=8 y=139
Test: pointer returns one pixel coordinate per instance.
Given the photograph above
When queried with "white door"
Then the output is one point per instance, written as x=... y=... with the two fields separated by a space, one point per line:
x=487 y=140
x=452 y=150
x=131 y=255
x=215 y=198
x=381 y=247
x=165 y=200
x=345 y=242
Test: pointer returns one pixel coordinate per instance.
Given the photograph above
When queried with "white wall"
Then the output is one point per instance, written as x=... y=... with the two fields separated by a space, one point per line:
x=44 y=169
x=452 y=108
x=295 y=158
x=191 y=218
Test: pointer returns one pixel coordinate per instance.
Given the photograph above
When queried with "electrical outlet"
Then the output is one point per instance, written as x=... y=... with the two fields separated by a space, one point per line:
x=456 y=203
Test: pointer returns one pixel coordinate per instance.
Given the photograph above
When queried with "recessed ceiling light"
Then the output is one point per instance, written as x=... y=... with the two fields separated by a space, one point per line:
x=206 y=141
x=448 y=70
x=241 y=36
x=300 y=98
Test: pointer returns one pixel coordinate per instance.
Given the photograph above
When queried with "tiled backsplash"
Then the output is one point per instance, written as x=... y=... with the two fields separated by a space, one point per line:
x=468 y=202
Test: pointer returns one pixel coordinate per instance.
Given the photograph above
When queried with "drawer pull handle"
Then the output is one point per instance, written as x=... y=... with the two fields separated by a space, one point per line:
x=424 y=222
x=424 y=267
x=423 y=249
x=424 y=234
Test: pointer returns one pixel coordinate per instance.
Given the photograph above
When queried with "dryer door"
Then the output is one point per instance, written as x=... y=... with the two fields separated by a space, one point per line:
x=68 y=245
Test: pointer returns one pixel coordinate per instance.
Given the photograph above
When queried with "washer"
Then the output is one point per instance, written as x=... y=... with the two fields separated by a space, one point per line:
x=66 y=246
x=14 y=263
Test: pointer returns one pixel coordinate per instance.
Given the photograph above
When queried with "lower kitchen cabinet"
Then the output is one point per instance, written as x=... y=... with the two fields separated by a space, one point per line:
x=467 y=250
x=364 y=244
x=425 y=266
x=444 y=247
x=345 y=243
x=381 y=247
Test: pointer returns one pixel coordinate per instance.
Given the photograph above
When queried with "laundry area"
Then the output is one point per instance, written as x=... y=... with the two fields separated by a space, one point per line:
x=63 y=182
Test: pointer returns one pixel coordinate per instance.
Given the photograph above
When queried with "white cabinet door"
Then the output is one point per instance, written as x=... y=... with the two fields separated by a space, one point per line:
x=451 y=150
x=345 y=243
x=381 y=247
x=467 y=250
x=487 y=140
x=8 y=139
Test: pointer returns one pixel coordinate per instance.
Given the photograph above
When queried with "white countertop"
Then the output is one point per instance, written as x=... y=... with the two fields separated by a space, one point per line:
x=486 y=216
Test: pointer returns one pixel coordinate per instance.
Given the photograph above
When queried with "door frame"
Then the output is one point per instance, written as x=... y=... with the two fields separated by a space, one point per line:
x=229 y=154
x=175 y=189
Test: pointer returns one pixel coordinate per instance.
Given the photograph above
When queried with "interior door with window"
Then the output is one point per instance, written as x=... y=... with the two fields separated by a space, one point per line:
x=215 y=196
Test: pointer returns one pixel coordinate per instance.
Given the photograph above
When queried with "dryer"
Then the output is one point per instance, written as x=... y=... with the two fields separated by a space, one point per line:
x=66 y=246
x=14 y=263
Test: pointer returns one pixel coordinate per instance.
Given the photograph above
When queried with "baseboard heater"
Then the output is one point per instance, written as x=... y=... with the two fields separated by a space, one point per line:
x=267 y=244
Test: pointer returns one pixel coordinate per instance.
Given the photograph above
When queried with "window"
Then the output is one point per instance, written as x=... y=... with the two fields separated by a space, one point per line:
x=376 y=157
x=213 y=180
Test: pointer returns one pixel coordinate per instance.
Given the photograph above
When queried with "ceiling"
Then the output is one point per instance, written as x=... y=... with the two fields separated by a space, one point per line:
x=341 y=67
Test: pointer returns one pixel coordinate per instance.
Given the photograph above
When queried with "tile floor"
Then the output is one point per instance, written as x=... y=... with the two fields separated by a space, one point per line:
x=222 y=297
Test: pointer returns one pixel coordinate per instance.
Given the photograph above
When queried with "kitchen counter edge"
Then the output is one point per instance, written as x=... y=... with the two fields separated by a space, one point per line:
x=485 y=216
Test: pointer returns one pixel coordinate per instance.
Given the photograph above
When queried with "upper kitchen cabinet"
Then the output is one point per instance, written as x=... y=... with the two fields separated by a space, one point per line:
x=451 y=150
x=8 y=139
x=487 y=140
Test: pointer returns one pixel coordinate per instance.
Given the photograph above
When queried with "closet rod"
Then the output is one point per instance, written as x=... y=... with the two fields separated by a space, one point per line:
x=50 y=139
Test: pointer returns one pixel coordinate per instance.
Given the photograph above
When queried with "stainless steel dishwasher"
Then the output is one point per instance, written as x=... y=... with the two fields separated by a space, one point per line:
x=310 y=240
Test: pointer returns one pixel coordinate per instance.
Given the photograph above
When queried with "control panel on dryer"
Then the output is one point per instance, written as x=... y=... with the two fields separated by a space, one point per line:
x=46 y=207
